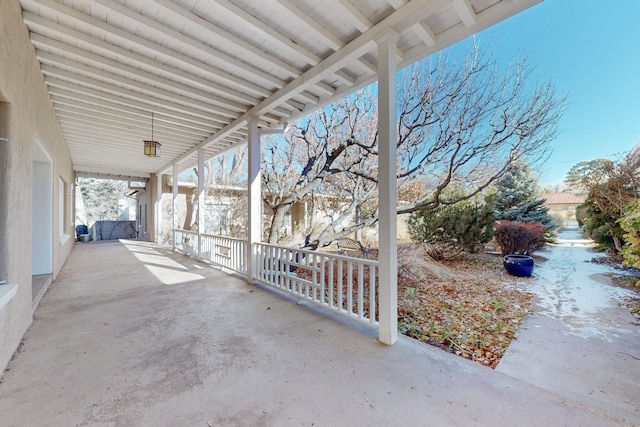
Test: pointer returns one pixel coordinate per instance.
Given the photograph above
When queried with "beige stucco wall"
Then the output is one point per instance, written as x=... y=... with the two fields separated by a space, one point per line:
x=30 y=116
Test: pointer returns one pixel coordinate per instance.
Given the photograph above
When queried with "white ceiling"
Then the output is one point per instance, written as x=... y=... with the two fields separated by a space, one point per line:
x=203 y=67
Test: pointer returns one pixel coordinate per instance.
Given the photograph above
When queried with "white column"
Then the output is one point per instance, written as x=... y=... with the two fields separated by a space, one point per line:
x=158 y=208
x=174 y=210
x=387 y=199
x=201 y=196
x=254 y=232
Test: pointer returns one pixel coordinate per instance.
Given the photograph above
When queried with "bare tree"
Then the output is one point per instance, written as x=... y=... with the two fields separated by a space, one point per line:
x=328 y=158
x=227 y=169
x=221 y=172
x=462 y=121
x=557 y=187
x=468 y=122
x=610 y=187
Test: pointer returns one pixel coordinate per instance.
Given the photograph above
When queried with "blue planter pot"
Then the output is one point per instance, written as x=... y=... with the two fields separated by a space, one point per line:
x=518 y=265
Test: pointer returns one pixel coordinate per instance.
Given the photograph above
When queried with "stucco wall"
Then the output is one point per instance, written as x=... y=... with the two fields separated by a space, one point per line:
x=30 y=116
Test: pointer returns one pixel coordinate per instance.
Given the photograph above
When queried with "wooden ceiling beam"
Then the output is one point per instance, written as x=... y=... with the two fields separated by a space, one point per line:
x=167 y=32
x=127 y=38
x=238 y=42
x=67 y=93
x=116 y=71
x=41 y=28
x=465 y=12
x=136 y=90
x=356 y=17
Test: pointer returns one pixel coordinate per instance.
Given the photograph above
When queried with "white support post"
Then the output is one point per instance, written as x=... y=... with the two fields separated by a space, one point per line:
x=387 y=199
x=174 y=211
x=254 y=233
x=158 y=208
x=201 y=197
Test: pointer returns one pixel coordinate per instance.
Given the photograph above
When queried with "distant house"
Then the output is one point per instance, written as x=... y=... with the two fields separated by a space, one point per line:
x=563 y=205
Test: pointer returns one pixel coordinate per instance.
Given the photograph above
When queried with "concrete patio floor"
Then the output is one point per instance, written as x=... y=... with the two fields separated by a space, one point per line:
x=132 y=334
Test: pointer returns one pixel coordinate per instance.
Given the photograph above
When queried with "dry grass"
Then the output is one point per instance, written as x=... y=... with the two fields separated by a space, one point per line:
x=415 y=264
x=468 y=305
x=631 y=283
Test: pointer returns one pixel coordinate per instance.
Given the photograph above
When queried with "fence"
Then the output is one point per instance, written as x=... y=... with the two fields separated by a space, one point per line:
x=113 y=230
x=228 y=252
x=340 y=283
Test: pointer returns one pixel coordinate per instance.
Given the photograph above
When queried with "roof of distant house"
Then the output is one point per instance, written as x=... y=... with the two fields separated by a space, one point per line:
x=562 y=199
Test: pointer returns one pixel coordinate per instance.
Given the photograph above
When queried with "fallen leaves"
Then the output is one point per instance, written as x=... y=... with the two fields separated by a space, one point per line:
x=475 y=313
x=631 y=302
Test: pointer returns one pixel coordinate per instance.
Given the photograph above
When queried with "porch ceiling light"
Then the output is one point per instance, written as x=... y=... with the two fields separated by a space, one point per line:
x=151 y=147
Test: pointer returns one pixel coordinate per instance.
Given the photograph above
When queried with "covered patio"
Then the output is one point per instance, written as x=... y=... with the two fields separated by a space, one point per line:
x=194 y=79
x=131 y=333
x=136 y=334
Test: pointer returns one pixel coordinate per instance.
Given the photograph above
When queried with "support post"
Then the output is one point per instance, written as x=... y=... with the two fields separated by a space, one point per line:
x=158 y=208
x=201 y=197
x=174 y=211
x=254 y=233
x=387 y=199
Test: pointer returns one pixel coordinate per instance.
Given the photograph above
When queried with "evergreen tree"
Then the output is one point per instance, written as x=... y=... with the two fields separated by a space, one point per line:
x=465 y=224
x=517 y=197
x=100 y=197
x=534 y=211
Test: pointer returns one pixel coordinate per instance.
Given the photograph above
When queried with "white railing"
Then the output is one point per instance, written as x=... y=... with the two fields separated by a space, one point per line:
x=228 y=252
x=343 y=284
x=185 y=241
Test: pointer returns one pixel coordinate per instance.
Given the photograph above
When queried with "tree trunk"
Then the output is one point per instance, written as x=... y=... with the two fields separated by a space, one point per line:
x=189 y=201
x=617 y=243
x=276 y=223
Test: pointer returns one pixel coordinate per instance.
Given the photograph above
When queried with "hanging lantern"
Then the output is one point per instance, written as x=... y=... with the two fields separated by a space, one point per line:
x=151 y=147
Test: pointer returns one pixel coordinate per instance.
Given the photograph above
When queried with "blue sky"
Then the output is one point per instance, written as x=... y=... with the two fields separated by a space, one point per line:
x=590 y=50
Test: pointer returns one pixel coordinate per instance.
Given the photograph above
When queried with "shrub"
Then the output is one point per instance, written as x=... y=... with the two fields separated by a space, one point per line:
x=463 y=225
x=602 y=228
x=630 y=224
x=522 y=238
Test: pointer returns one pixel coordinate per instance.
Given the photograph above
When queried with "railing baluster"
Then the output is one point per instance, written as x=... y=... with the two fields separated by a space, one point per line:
x=350 y=287
x=340 y=284
x=270 y=260
x=331 y=285
x=315 y=273
x=237 y=261
x=237 y=256
x=234 y=255
x=360 y=291
x=372 y=293
x=308 y=290
x=322 y=279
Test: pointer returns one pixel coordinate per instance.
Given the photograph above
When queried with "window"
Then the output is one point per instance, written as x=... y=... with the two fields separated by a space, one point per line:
x=64 y=209
x=70 y=213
